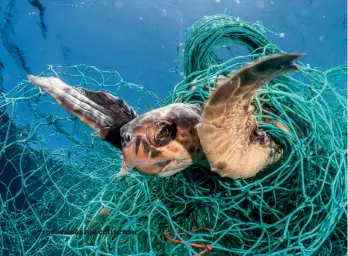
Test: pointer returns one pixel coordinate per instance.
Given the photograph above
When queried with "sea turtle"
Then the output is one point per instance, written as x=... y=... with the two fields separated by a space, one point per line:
x=166 y=140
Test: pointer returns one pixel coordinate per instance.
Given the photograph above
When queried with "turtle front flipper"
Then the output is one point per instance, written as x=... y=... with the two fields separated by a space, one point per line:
x=105 y=113
x=228 y=129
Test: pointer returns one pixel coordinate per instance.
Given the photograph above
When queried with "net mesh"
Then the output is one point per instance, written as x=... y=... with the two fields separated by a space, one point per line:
x=58 y=183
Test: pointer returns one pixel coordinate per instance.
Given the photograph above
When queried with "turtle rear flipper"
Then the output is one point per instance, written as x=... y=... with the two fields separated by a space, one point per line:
x=228 y=129
x=105 y=113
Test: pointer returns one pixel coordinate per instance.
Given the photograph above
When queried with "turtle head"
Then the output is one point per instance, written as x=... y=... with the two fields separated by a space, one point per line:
x=163 y=141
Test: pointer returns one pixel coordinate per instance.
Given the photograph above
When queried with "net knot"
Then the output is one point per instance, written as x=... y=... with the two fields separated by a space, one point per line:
x=283 y=238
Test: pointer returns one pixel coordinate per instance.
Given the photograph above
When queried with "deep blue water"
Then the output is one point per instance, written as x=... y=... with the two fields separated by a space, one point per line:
x=139 y=38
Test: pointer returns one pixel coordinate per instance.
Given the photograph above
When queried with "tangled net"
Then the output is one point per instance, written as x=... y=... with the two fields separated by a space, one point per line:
x=57 y=181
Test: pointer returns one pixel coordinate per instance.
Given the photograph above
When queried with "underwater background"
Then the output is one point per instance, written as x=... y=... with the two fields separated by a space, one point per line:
x=54 y=175
x=139 y=38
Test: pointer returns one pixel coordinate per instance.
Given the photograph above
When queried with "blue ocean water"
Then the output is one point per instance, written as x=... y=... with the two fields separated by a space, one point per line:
x=139 y=38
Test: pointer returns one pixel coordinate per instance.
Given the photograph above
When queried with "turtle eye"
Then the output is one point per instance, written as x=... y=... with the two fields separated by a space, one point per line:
x=161 y=133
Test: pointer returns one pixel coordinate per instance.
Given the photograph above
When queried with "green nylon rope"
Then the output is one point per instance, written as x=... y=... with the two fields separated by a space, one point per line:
x=64 y=179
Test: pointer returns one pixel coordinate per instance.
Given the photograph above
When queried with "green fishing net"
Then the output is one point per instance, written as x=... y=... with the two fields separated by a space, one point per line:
x=61 y=193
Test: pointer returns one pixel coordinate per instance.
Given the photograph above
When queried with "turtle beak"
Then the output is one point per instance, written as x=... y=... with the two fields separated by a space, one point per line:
x=128 y=150
x=124 y=168
x=129 y=157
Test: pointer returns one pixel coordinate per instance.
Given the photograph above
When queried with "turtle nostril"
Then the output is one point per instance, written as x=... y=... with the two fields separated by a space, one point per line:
x=127 y=137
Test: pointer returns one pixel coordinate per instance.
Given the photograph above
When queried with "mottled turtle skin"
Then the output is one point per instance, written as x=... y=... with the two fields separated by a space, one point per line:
x=166 y=140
